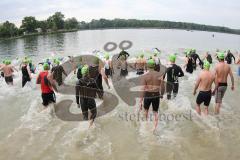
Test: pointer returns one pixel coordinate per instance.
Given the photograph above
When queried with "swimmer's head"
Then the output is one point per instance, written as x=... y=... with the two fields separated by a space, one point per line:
x=8 y=62
x=45 y=66
x=25 y=61
x=142 y=55
x=151 y=64
x=96 y=60
x=206 y=65
x=85 y=70
x=106 y=56
x=221 y=55
x=172 y=58
x=57 y=62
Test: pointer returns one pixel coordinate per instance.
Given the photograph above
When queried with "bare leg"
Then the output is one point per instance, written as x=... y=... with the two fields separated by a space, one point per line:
x=206 y=110
x=155 y=120
x=146 y=114
x=91 y=123
x=198 y=109
x=217 y=108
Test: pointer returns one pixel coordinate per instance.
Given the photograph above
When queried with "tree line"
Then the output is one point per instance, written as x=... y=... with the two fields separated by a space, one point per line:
x=30 y=25
x=57 y=22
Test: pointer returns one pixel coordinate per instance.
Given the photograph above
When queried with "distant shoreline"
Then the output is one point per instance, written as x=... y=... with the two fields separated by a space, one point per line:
x=39 y=34
x=108 y=28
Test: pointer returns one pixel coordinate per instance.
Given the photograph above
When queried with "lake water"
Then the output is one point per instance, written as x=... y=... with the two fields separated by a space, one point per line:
x=29 y=134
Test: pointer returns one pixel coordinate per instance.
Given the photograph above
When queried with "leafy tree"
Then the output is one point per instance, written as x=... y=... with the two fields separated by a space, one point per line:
x=71 y=23
x=29 y=24
x=43 y=25
x=8 y=29
x=56 y=21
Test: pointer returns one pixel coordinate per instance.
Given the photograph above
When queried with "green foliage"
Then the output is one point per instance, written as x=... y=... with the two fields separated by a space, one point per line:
x=71 y=23
x=8 y=29
x=29 y=24
x=56 y=21
x=43 y=25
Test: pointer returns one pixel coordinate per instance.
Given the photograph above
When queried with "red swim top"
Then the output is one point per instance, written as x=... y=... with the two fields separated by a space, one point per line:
x=45 y=87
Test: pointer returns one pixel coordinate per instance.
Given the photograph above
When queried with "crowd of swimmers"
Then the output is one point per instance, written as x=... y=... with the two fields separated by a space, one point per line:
x=90 y=79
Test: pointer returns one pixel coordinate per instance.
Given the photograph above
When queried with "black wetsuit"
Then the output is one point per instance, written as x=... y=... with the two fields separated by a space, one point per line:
x=86 y=89
x=195 y=56
x=31 y=68
x=25 y=75
x=229 y=58
x=209 y=58
x=94 y=73
x=123 y=53
x=173 y=73
x=79 y=74
x=189 y=68
x=57 y=74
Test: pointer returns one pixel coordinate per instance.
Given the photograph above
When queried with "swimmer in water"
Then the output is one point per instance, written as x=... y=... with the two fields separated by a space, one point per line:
x=140 y=65
x=57 y=72
x=108 y=66
x=123 y=53
x=189 y=63
x=86 y=91
x=204 y=84
x=26 y=73
x=8 y=70
x=45 y=79
x=157 y=62
x=151 y=87
x=173 y=72
x=223 y=70
x=123 y=65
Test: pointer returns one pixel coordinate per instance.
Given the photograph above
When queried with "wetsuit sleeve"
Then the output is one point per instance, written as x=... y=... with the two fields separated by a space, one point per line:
x=77 y=88
x=180 y=72
x=38 y=79
x=233 y=58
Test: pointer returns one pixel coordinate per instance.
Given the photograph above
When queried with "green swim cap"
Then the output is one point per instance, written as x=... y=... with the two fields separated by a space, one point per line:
x=46 y=66
x=29 y=60
x=142 y=55
x=25 y=61
x=57 y=62
x=150 y=63
x=206 y=65
x=7 y=62
x=172 y=58
x=96 y=60
x=221 y=55
x=106 y=56
x=4 y=62
x=85 y=70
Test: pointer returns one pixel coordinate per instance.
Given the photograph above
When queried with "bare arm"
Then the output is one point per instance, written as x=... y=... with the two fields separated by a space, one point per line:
x=52 y=82
x=196 y=85
x=232 y=78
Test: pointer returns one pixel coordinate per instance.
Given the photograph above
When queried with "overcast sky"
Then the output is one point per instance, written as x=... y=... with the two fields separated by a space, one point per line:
x=212 y=12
